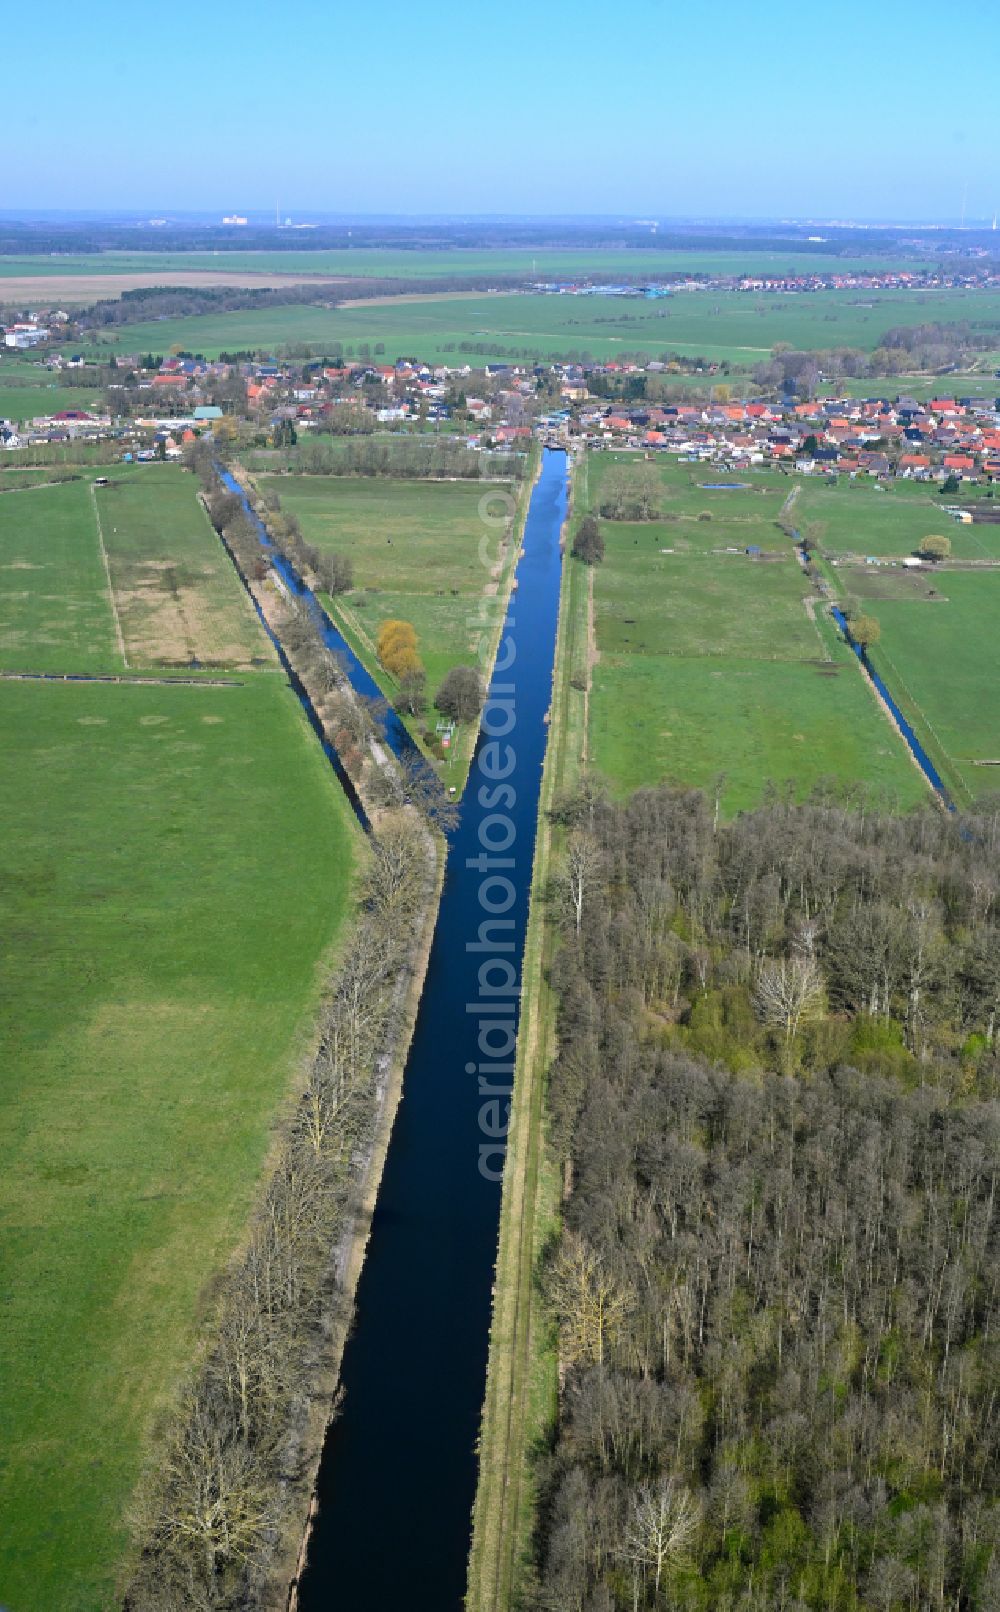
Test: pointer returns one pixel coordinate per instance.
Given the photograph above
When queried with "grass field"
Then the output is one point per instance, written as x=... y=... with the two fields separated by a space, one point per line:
x=427 y=263
x=80 y=565
x=25 y=402
x=710 y=664
x=176 y=594
x=861 y=518
x=56 y=613
x=727 y=325
x=415 y=546
x=158 y=984
x=940 y=656
x=160 y=968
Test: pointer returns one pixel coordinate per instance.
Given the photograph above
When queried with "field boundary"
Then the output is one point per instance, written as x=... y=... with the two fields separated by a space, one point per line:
x=138 y=681
x=107 y=572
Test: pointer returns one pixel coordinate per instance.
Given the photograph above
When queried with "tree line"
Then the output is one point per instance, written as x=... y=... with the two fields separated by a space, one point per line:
x=924 y=348
x=774 y=1288
x=190 y=302
x=401 y=455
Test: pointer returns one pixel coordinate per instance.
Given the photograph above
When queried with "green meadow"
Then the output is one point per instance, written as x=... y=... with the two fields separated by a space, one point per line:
x=20 y=403
x=176 y=595
x=162 y=960
x=939 y=653
x=709 y=663
x=740 y=328
x=55 y=609
x=162 y=581
x=861 y=518
x=750 y=723
x=432 y=262
x=415 y=546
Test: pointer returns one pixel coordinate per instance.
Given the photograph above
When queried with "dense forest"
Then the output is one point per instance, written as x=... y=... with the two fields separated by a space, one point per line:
x=775 y=1283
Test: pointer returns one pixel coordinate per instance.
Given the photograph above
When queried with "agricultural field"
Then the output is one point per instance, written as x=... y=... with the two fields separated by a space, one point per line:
x=979 y=384
x=728 y=326
x=711 y=666
x=156 y=1005
x=128 y=576
x=427 y=263
x=415 y=547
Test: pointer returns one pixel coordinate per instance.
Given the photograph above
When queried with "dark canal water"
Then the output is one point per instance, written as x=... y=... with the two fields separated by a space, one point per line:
x=398 y=1472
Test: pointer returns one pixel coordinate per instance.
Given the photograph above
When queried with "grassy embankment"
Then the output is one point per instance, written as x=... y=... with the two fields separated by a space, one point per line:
x=939 y=651
x=415 y=547
x=722 y=326
x=164 y=960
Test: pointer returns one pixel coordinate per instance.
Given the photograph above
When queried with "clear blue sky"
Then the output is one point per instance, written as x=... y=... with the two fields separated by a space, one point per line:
x=886 y=109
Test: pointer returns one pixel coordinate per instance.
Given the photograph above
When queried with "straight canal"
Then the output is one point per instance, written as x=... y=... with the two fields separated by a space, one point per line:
x=398 y=1472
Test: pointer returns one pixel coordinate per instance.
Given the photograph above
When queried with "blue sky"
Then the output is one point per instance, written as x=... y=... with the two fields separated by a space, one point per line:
x=653 y=108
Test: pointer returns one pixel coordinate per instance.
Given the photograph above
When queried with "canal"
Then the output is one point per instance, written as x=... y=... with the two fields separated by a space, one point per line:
x=398 y=1472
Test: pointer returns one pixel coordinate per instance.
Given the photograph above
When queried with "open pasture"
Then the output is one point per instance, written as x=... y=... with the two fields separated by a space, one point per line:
x=861 y=518
x=712 y=664
x=415 y=546
x=55 y=604
x=423 y=263
x=125 y=577
x=732 y=326
x=696 y=720
x=155 y=1005
x=21 y=402
x=701 y=604
x=177 y=596
x=941 y=659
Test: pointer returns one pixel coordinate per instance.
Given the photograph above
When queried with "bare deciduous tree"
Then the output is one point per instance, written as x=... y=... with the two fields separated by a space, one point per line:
x=789 y=993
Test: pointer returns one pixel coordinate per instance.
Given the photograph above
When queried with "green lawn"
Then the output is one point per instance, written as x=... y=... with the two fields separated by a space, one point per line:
x=719 y=325
x=160 y=970
x=710 y=663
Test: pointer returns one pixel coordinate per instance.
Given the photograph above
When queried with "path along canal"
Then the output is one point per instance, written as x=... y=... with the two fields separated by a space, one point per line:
x=397 y=1478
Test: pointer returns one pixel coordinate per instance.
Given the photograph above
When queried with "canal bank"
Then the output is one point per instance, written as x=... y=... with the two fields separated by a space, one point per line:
x=397 y=1480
